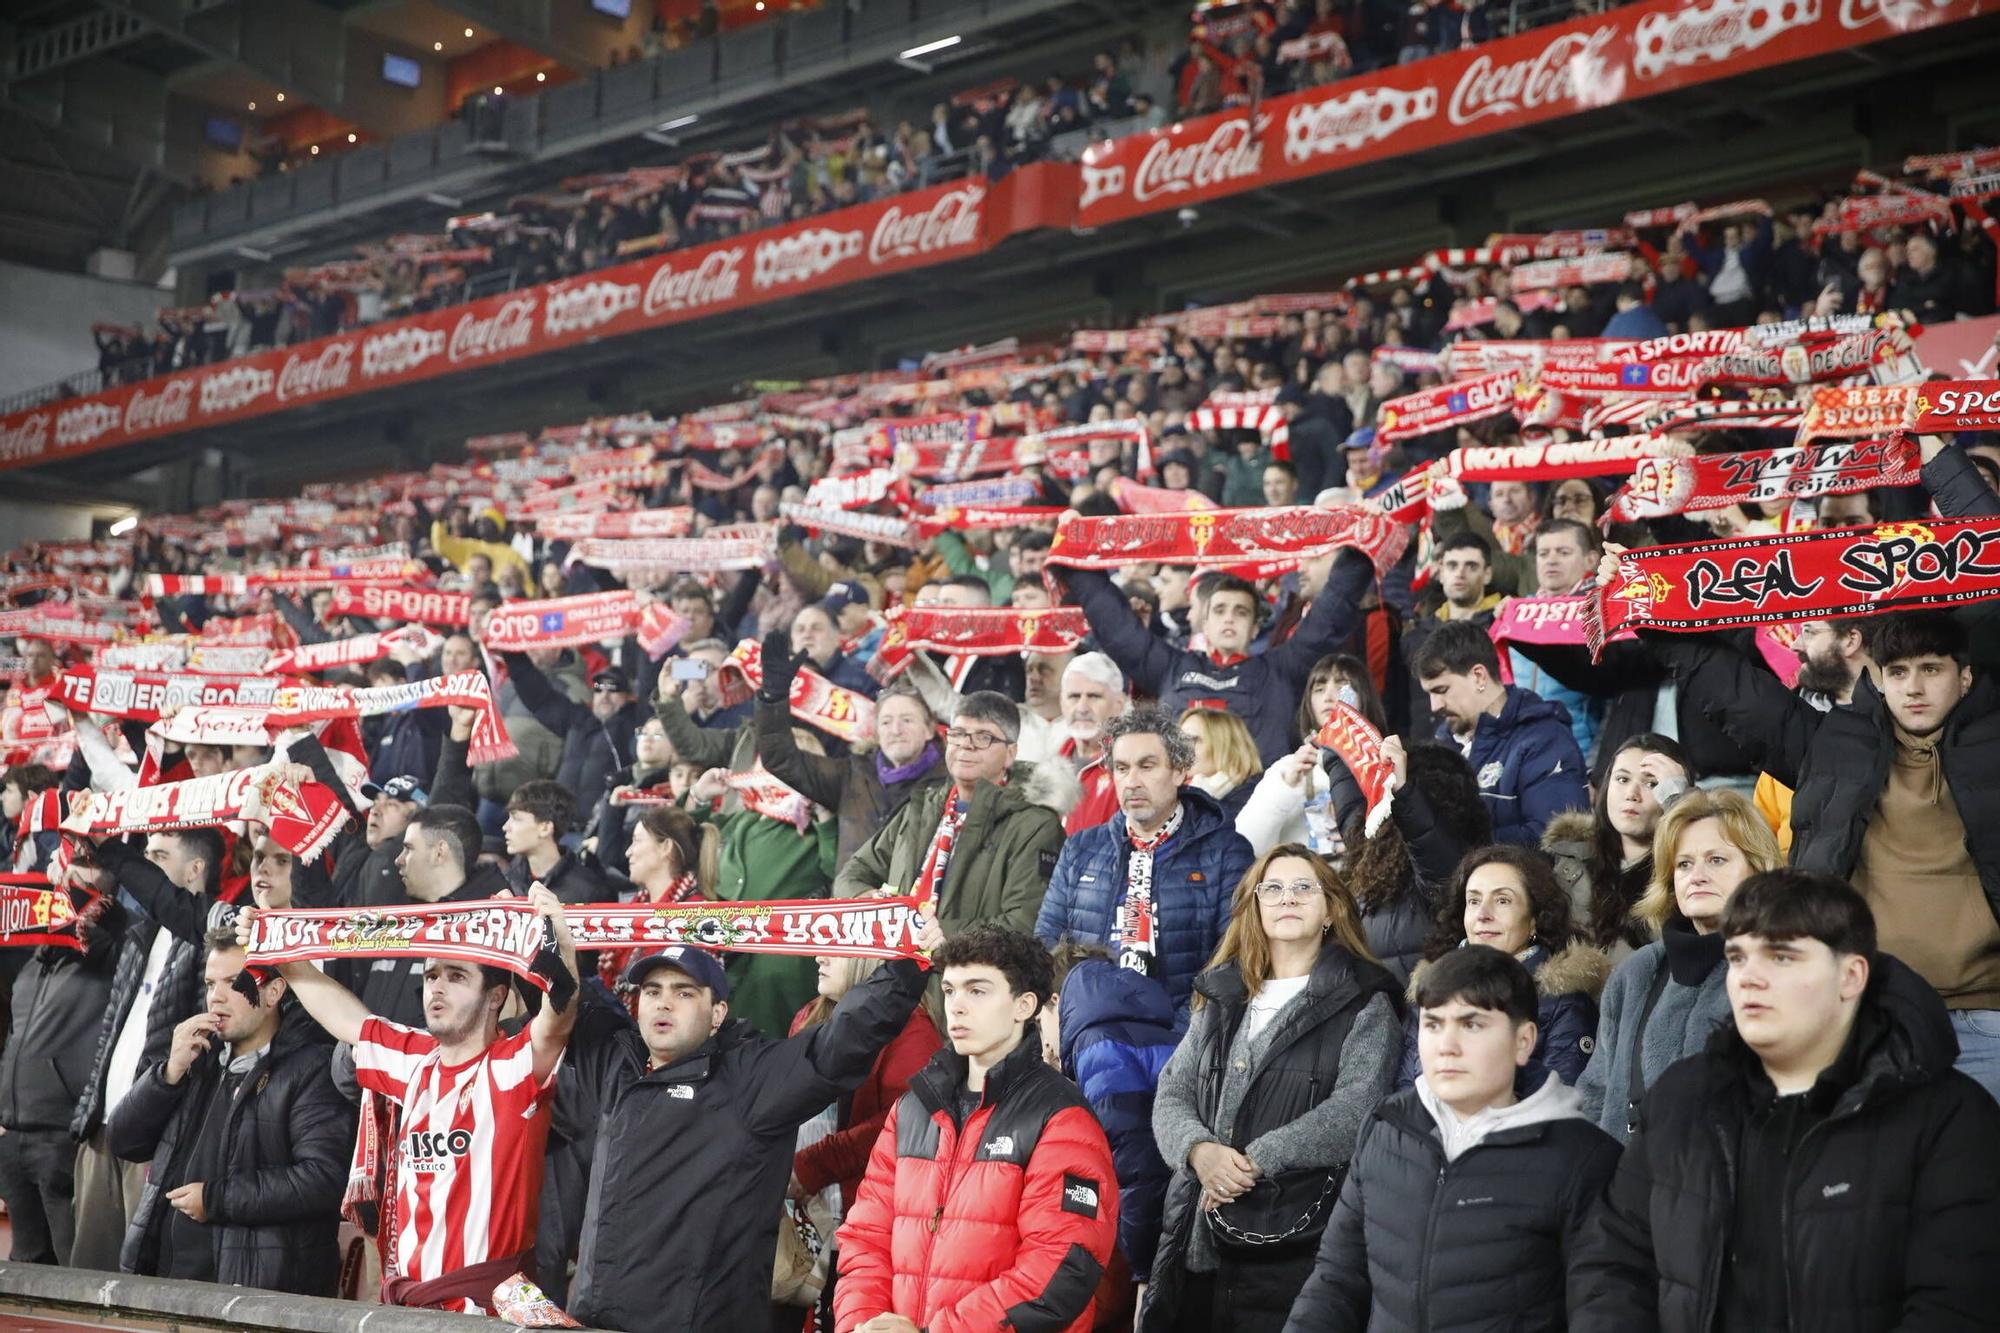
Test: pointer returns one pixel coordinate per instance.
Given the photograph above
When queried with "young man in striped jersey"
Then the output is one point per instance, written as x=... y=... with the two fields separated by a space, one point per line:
x=475 y=1108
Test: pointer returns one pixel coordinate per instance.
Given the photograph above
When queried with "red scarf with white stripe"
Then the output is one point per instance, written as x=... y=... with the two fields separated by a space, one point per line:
x=1135 y=936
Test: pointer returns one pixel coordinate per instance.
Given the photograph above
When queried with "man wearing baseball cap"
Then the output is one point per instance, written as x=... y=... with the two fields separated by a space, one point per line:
x=699 y=1123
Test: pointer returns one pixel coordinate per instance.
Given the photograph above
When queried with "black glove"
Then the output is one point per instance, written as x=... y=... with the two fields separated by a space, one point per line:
x=779 y=667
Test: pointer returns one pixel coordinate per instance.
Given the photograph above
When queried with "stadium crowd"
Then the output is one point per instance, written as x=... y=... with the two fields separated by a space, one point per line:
x=1236 y=55
x=1312 y=945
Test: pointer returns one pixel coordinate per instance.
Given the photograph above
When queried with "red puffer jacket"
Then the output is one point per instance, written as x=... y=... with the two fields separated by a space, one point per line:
x=1004 y=1224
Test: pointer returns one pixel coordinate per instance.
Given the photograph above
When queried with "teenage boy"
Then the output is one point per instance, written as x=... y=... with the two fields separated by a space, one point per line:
x=475 y=1117
x=539 y=815
x=1822 y=1166
x=1893 y=792
x=1468 y=1191
x=990 y=1200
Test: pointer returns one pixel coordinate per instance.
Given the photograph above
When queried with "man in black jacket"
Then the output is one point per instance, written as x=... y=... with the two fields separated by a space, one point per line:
x=1263 y=689
x=249 y=1141
x=1821 y=1166
x=597 y=737
x=1468 y=1191
x=58 y=1005
x=700 y=1121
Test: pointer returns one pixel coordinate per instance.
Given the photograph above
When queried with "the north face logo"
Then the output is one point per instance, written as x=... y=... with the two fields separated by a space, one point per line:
x=1001 y=1146
x=1082 y=1194
x=1079 y=1195
x=682 y=1091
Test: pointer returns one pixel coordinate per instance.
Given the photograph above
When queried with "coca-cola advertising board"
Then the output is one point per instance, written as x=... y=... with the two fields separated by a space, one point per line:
x=887 y=236
x=1630 y=52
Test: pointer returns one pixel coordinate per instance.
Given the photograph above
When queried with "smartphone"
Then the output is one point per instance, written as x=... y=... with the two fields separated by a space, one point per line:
x=690 y=668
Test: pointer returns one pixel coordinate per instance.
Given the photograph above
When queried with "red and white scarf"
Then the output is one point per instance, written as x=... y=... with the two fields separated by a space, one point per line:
x=1351 y=736
x=930 y=876
x=143 y=695
x=300 y=704
x=767 y=796
x=815 y=700
x=1135 y=936
x=1226 y=537
x=1662 y=486
x=994 y=631
x=301 y=816
x=33 y=912
x=353 y=650
x=562 y=622
x=395 y=601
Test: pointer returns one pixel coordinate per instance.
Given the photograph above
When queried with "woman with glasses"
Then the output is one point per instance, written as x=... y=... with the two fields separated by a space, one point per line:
x=1294 y=1037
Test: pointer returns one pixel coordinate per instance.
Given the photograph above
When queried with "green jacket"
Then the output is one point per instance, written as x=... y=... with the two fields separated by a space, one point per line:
x=1000 y=862
x=1243 y=479
x=733 y=748
x=959 y=559
x=762 y=860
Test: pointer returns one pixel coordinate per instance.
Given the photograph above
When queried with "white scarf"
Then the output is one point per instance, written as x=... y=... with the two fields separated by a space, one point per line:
x=1135 y=934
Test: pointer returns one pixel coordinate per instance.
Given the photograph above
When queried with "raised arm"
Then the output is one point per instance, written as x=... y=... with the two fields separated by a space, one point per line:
x=333 y=1006
x=1334 y=615
x=1954 y=482
x=1143 y=656
x=801 y=1074
x=551 y=707
x=548 y=1031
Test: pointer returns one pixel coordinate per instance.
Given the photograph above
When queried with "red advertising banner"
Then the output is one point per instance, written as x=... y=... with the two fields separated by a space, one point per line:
x=869 y=240
x=1631 y=52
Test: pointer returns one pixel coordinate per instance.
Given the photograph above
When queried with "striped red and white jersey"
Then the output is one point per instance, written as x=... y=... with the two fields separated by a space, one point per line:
x=469 y=1159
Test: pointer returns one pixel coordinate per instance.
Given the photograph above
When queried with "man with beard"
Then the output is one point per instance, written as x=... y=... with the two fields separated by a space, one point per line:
x=1832 y=656
x=475 y=1115
x=1093 y=693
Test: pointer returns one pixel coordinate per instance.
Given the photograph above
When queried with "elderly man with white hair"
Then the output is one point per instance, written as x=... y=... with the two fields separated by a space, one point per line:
x=1094 y=694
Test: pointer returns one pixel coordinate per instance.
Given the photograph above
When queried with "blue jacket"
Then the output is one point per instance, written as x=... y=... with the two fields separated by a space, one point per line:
x=1194 y=876
x=1262 y=689
x=1527 y=765
x=1567 y=985
x=1116 y=1030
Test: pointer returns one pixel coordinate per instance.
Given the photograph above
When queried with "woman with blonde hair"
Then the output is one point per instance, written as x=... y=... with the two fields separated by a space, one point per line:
x=1294 y=1036
x=1663 y=1002
x=1226 y=764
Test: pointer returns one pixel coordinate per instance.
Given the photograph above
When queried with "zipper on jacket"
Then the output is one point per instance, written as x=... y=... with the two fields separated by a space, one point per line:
x=1430 y=1240
x=1712 y=1280
x=959 y=1134
x=1785 y=1221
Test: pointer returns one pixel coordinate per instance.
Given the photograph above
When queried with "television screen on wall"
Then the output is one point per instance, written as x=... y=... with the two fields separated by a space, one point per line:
x=401 y=71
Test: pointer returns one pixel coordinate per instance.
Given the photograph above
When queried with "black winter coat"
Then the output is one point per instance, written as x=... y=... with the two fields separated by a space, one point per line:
x=274 y=1213
x=57 y=1008
x=1400 y=922
x=1891 y=1197
x=849 y=785
x=1480 y=1243
x=688 y=1180
x=1264 y=689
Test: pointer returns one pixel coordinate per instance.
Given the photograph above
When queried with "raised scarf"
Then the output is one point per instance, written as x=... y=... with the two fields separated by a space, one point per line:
x=997 y=631
x=562 y=622
x=1812 y=575
x=1662 y=486
x=1289 y=535
x=352 y=650
x=302 y=817
x=395 y=601
x=1351 y=736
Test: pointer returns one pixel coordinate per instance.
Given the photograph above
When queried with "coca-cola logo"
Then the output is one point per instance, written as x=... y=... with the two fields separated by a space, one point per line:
x=802 y=257
x=1896 y=13
x=26 y=438
x=83 y=423
x=1570 y=70
x=507 y=329
x=952 y=221
x=1234 y=150
x=712 y=282
x=169 y=407
x=1343 y=124
x=398 y=351
x=238 y=386
x=1676 y=39
x=590 y=306
x=328 y=372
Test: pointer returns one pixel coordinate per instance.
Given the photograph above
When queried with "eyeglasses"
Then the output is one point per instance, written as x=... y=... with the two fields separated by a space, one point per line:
x=608 y=688
x=973 y=740
x=1299 y=890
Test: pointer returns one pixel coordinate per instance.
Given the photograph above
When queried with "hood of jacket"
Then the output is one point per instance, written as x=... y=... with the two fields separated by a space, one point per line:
x=1049 y=784
x=1579 y=969
x=1571 y=833
x=1540 y=1097
x=1098 y=993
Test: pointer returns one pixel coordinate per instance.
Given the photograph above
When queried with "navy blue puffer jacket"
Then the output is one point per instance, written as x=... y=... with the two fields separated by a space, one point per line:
x=1194 y=876
x=1528 y=766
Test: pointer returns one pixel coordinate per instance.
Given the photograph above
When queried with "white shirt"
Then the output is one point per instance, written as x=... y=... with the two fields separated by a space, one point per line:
x=1265 y=1004
x=123 y=1071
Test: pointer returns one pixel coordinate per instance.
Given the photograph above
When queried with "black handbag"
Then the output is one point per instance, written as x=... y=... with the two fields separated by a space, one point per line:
x=1278 y=1214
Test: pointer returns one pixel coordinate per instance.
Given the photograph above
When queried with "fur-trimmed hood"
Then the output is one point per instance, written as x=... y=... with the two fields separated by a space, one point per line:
x=1578 y=970
x=1050 y=783
x=1570 y=834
